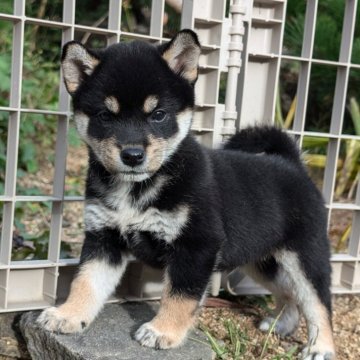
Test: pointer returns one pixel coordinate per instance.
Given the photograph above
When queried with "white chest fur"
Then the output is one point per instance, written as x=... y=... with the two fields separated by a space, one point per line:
x=127 y=216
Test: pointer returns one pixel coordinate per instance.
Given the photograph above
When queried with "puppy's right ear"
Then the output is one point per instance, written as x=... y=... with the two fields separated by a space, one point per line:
x=77 y=63
x=182 y=54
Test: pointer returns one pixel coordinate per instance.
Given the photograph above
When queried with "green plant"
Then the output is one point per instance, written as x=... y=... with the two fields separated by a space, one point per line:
x=271 y=330
x=40 y=84
x=349 y=162
x=326 y=46
x=238 y=338
x=238 y=344
x=37 y=132
x=34 y=245
x=348 y=175
x=289 y=355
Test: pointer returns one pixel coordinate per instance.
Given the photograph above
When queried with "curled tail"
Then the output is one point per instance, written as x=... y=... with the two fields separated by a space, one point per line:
x=265 y=139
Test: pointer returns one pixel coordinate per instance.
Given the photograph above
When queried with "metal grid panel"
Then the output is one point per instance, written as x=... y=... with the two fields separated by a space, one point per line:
x=37 y=284
x=262 y=63
x=259 y=24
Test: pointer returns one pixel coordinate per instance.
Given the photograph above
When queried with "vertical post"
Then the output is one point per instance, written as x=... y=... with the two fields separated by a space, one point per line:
x=187 y=15
x=114 y=20
x=61 y=144
x=51 y=274
x=237 y=11
x=12 y=146
x=157 y=18
x=305 y=69
x=339 y=104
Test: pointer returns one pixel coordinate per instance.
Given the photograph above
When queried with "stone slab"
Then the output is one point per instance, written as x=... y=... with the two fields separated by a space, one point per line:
x=110 y=336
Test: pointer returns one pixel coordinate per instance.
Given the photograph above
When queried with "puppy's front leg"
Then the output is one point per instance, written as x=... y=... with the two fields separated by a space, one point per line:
x=100 y=271
x=186 y=279
x=169 y=327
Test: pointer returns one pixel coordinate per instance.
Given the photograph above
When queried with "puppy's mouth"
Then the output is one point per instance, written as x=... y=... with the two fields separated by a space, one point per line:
x=134 y=176
x=134 y=172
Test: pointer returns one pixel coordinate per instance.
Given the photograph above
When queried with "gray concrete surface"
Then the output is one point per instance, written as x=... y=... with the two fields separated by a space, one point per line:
x=109 y=337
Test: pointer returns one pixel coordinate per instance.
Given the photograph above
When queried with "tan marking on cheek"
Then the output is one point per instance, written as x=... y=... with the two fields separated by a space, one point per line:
x=175 y=317
x=112 y=104
x=155 y=151
x=107 y=151
x=150 y=103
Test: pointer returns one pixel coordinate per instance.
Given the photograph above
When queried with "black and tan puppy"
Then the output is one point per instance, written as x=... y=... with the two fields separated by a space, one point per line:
x=154 y=192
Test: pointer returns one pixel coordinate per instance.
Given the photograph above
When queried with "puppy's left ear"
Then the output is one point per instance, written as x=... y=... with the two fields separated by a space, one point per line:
x=182 y=54
x=77 y=63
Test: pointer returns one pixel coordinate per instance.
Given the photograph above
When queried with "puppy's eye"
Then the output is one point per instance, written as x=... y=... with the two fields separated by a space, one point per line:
x=158 y=116
x=101 y=115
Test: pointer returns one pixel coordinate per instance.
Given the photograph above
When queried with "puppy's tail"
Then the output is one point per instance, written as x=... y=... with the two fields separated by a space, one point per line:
x=267 y=139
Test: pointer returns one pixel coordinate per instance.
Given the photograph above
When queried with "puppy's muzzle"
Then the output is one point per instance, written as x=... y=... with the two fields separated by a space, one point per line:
x=132 y=156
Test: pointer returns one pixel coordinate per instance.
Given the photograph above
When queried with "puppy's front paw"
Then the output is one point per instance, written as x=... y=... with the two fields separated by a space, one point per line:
x=58 y=320
x=148 y=335
x=314 y=353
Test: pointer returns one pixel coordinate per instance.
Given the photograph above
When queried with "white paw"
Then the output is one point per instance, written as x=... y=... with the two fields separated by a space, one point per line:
x=56 y=320
x=266 y=324
x=281 y=328
x=312 y=353
x=148 y=336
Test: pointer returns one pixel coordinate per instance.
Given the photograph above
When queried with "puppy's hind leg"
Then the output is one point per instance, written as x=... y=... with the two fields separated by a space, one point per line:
x=285 y=318
x=286 y=315
x=312 y=294
x=98 y=275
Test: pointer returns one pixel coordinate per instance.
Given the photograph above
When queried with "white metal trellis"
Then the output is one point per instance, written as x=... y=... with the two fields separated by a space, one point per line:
x=255 y=34
x=262 y=61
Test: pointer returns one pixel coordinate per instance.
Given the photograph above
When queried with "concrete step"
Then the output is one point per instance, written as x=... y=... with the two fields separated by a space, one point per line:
x=110 y=336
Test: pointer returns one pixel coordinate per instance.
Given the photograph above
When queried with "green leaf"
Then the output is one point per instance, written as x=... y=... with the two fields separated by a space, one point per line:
x=355 y=115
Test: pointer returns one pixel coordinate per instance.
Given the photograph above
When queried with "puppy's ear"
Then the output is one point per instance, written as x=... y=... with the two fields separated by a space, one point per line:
x=77 y=62
x=182 y=54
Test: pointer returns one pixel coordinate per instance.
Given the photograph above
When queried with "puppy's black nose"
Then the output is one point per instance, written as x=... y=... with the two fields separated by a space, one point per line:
x=132 y=156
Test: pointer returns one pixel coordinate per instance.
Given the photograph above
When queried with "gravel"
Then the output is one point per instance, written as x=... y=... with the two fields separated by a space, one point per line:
x=248 y=311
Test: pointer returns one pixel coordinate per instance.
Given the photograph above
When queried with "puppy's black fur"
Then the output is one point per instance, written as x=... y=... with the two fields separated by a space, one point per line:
x=186 y=208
